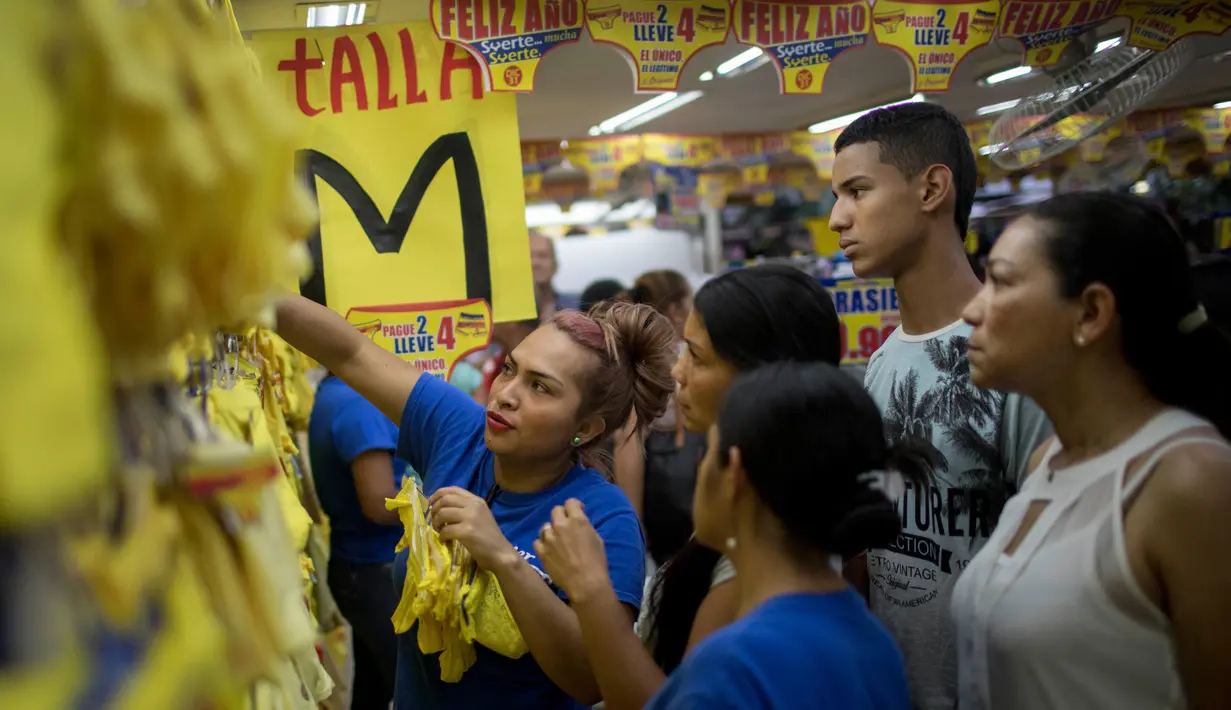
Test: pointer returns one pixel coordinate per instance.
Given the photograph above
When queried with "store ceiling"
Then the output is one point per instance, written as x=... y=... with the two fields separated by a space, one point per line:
x=579 y=85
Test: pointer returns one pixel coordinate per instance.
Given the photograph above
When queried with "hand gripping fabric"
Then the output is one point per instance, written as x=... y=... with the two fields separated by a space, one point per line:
x=455 y=603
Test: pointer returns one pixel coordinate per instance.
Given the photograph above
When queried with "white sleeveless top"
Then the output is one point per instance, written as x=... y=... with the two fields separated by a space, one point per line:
x=1062 y=622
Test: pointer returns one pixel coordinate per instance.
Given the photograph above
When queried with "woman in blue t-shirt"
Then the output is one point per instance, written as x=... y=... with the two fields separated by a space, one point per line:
x=740 y=320
x=494 y=476
x=794 y=479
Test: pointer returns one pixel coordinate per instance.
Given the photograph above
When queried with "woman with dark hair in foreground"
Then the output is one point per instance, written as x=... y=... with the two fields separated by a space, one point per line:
x=736 y=325
x=794 y=477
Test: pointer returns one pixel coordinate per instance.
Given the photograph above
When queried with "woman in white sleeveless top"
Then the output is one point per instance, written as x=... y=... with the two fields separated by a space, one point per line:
x=1107 y=584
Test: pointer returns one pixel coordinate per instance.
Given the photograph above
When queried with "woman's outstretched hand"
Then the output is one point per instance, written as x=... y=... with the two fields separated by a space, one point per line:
x=572 y=553
x=458 y=514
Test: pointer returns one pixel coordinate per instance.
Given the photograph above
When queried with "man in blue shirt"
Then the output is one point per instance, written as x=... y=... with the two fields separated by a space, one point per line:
x=351 y=447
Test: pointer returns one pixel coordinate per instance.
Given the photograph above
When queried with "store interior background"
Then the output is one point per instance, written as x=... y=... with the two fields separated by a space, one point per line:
x=635 y=228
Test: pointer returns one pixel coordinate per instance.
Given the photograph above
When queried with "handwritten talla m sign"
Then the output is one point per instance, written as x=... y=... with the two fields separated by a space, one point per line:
x=411 y=163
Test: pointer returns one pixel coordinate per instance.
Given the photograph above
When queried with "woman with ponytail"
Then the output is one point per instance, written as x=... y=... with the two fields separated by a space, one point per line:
x=494 y=477
x=797 y=478
x=739 y=321
x=1101 y=587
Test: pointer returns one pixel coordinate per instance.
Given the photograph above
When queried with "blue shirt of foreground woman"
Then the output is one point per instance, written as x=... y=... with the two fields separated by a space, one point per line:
x=795 y=474
x=494 y=476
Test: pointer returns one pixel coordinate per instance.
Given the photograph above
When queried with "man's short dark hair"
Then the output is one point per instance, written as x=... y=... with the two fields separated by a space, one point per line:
x=913 y=137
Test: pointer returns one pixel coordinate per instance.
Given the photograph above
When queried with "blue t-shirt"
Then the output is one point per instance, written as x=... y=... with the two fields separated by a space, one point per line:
x=794 y=652
x=442 y=438
x=343 y=426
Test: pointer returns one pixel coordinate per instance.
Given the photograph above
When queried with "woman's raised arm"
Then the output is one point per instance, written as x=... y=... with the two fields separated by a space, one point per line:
x=379 y=376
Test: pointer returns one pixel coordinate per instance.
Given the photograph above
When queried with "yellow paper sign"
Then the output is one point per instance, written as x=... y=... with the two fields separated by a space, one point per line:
x=433 y=336
x=658 y=36
x=508 y=37
x=1157 y=24
x=935 y=36
x=867 y=313
x=802 y=38
x=817 y=147
x=1045 y=27
x=605 y=159
x=411 y=162
x=686 y=151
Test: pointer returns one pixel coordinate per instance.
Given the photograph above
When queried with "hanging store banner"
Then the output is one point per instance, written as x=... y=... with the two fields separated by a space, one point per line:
x=658 y=36
x=410 y=161
x=508 y=37
x=867 y=315
x=934 y=35
x=1045 y=27
x=817 y=147
x=1158 y=24
x=802 y=37
x=604 y=159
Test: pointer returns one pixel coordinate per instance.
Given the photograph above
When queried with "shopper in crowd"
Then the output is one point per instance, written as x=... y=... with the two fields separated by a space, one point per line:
x=736 y=325
x=351 y=450
x=793 y=476
x=1098 y=590
x=506 y=337
x=904 y=177
x=643 y=468
x=494 y=475
x=543 y=267
x=599 y=291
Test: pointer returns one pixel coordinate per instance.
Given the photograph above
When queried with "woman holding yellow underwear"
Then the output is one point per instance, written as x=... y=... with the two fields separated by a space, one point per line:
x=494 y=475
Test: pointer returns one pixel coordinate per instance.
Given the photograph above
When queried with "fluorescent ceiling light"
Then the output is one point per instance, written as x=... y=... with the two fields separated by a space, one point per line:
x=997 y=108
x=848 y=119
x=337 y=15
x=1007 y=74
x=706 y=76
x=646 y=112
x=739 y=60
x=1107 y=44
x=1223 y=104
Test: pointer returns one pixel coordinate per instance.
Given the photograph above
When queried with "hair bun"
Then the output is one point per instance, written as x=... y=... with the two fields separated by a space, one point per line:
x=643 y=339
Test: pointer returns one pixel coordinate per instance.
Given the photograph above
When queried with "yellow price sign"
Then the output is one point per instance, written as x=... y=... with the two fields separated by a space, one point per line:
x=658 y=36
x=508 y=37
x=1158 y=24
x=802 y=37
x=433 y=336
x=1045 y=27
x=867 y=314
x=934 y=36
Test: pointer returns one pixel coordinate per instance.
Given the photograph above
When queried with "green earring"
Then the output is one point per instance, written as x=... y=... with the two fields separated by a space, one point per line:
x=576 y=441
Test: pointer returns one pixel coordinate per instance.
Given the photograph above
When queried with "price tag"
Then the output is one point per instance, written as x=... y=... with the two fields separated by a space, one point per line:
x=1045 y=27
x=934 y=36
x=433 y=336
x=1158 y=24
x=803 y=37
x=868 y=314
x=658 y=36
x=508 y=37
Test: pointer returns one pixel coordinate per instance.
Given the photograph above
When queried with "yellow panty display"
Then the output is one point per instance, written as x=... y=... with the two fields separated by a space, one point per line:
x=455 y=603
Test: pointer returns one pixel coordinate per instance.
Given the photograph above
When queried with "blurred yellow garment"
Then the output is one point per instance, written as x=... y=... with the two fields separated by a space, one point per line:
x=455 y=603
x=52 y=371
